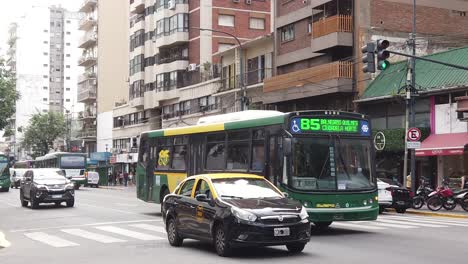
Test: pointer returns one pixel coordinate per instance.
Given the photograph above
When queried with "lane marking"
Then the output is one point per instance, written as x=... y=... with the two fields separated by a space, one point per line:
x=159 y=229
x=128 y=233
x=50 y=240
x=392 y=225
x=107 y=208
x=82 y=225
x=92 y=236
x=430 y=221
x=409 y=223
x=437 y=219
x=10 y=204
x=348 y=225
x=3 y=242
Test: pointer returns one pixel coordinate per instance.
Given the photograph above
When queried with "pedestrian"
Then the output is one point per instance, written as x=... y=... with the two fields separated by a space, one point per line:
x=464 y=182
x=131 y=177
x=109 y=178
x=408 y=181
x=114 y=178
x=120 y=177
x=125 y=177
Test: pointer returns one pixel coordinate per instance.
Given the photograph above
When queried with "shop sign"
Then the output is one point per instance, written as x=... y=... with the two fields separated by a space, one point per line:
x=413 y=144
x=439 y=152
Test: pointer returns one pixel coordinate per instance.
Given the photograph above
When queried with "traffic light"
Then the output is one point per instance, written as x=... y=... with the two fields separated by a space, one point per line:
x=382 y=54
x=368 y=58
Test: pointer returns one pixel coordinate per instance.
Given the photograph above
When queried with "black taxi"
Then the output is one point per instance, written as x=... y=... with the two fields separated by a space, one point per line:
x=234 y=209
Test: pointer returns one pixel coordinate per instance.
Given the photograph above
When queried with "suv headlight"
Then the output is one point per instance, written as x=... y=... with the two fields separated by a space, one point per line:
x=243 y=214
x=40 y=186
x=304 y=214
x=69 y=186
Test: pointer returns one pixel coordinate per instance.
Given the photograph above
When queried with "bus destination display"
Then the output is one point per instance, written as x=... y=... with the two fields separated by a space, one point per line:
x=329 y=125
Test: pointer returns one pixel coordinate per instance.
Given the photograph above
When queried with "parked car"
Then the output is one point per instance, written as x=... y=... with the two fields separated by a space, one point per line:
x=234 y=209
x=92 y=179
x=16 y=177
x=391 y=195
x=46 y=186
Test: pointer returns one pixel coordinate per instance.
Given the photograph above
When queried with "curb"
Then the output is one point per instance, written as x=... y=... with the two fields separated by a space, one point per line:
x=437 y=214
x=114 y=188
x=3 y=242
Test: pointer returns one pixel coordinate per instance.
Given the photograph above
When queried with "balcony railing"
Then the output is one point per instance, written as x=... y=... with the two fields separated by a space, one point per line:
x=88 y=5
x=88 y=133
x=193 y=110
x=250 y=78
x=86 y=96
x=87 y=22
x=87 y=60
x=334 y=70
x=136 y=18
x=86 y=76
x=89 y=39
x=338 y=23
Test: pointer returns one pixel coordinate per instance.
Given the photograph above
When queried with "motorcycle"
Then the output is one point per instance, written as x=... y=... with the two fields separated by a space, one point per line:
x=445 y=197
x=422 y=194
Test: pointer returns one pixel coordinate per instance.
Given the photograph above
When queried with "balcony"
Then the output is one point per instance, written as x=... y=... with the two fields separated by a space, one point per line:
x=323 y=79
x=137 y=6
x=87 y=76
x=88 y=6
x=251 y=78
x=136 y=19
x=86 y=115
x=86 y=96
x=88 y=40
x=332 y=31
x=87 y=134
x=87 y=60
x=87 y=23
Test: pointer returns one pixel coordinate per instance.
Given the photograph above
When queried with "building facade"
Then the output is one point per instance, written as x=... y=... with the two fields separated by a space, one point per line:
x=105 y=60
x=46 y=75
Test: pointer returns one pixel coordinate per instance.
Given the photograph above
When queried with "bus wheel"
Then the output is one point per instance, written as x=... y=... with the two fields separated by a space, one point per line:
x=322 y=225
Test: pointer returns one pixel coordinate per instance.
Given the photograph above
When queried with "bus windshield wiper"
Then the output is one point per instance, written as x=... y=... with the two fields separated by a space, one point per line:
x=231 y=196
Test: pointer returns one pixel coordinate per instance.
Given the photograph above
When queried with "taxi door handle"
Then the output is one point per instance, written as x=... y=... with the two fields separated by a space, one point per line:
x=192 y=207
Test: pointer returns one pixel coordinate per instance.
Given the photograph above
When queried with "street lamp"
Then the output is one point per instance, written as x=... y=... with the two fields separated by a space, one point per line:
x=242 y=84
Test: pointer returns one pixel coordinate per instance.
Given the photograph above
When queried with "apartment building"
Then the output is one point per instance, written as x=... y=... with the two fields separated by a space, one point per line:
x=105 y=59
x=46 y=74
x=173 y=69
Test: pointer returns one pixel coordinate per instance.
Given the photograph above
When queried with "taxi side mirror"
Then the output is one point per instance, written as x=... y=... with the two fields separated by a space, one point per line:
x=202 y=197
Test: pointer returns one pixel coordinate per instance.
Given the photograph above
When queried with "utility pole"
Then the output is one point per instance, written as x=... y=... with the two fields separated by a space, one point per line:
x=412 y=99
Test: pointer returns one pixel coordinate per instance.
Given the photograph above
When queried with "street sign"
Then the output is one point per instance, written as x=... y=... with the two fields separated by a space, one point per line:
x=414 y=134
x=413 y=144
x=379 y=141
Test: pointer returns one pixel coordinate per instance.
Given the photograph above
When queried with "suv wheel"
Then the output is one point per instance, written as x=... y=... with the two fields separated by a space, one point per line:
x=34 y=203
x=71 y=203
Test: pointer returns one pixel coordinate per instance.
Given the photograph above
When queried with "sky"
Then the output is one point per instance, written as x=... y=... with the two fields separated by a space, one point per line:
x=11 y=10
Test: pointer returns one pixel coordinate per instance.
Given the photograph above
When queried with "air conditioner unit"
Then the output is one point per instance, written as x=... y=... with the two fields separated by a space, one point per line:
x=171 y=4
x=192 y=67
x=235 y=1
x=249 y=2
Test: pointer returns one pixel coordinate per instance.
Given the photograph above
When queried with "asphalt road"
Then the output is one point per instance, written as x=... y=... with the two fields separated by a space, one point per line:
x=112 y=226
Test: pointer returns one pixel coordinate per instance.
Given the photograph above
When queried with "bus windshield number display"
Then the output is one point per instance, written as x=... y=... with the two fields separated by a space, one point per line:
x=329 y=125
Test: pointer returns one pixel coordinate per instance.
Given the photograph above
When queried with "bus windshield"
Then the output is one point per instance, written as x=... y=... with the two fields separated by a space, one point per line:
x=72 y=162
x=331 y=164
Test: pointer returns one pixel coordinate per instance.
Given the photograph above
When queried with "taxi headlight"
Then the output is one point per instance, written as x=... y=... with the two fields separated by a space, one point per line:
x=243 y=214
x=304 y=214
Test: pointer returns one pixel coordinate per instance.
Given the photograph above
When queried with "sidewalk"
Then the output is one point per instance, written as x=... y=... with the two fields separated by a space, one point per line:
x=458 y=212
x=117 y=187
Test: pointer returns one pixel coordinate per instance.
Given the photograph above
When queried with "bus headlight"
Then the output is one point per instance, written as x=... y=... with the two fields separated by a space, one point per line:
x=243 y=214
x=304 y=214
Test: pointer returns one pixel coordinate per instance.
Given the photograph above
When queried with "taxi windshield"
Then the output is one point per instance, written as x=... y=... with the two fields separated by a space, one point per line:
x=245 y=188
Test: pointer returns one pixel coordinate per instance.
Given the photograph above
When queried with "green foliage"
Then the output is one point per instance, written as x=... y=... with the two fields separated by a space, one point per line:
x=43 y=130
x=395 y=138
x=8 y=94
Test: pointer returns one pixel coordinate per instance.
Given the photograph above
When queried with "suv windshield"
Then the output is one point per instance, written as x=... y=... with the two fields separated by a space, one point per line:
x=331 y=164
x=48 y=175
x=245 y=188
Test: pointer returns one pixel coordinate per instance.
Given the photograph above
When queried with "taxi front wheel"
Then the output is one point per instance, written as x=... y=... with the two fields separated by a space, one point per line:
x=295 y=247
x=220 y=242
x=172 y=235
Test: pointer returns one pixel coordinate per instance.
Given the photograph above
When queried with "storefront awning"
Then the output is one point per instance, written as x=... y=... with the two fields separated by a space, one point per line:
x=443 y=145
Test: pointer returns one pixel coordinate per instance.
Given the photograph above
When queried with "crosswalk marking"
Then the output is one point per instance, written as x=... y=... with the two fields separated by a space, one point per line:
x=128 y=233
x=430 y=220
x=50 y=240
x=409 y=223
x=155 y=228
x=348 y=225
x=387 y=225
x=92 y=236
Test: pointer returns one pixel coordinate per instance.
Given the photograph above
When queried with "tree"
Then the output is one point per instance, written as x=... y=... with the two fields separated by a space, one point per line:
x=8 y=94
x=42 y=131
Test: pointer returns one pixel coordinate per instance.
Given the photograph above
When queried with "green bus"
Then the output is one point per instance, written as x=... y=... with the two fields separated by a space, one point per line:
x=324 y=159
x=72 y=164
x=5 y=180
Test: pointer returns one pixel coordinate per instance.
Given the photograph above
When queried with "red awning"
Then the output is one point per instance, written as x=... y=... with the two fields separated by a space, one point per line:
x=443 y=144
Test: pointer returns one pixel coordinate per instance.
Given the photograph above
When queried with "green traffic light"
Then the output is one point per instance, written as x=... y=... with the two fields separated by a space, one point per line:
x=383 y=65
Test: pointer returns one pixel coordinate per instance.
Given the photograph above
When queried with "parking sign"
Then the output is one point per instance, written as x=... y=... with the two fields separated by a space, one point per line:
x=414 y=134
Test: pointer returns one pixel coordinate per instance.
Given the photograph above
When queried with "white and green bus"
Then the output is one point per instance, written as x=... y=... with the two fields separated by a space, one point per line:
x=72 y=164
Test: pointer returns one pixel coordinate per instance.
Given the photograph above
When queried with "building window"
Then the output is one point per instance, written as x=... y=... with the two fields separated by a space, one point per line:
x=44 y=99
x=309 y=26
x=67 y=100
x=68 y=78
x=45 y=65
x=68 y=33
x=68 y=21
x=67 y=66
x=45 y=88
x=45 y=30
x=67 y=89
x=170 y=25
x=287 y=33
x=257 y=23
x=68 y=55
x=45 y=53
x=226 y=20
x=45 y=76
x=46 y=42
x=68 y=44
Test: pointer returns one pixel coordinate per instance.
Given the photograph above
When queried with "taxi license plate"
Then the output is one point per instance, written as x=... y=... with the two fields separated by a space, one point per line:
x=57 y=196
x=281 y=231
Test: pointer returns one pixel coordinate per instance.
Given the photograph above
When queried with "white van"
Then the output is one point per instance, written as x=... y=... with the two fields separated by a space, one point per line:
x=93 y=179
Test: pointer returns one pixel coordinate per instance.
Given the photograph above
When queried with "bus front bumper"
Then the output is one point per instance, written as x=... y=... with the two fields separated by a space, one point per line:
x=343 y=214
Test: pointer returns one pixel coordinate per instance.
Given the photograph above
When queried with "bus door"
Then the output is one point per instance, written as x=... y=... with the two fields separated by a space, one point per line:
x=196 y=154
x=274 y=163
